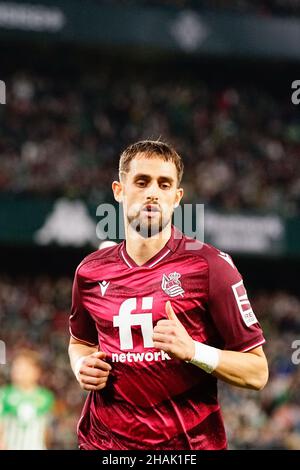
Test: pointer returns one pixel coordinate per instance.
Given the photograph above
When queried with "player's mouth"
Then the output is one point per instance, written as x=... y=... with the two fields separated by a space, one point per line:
x=151 y=210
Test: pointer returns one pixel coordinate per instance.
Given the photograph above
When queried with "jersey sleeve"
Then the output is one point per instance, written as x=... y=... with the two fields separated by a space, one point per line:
x=230 y=307
x=81 y=324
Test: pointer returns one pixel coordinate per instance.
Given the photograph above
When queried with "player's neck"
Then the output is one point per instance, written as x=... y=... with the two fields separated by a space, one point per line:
x=26 y=387
x=142 y=249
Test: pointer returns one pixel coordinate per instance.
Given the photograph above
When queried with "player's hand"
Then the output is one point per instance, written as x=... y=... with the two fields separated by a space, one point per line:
x=171 y=337
x=93 y=371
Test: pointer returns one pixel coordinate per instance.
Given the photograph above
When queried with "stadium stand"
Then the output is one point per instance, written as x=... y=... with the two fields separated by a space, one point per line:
x=71 y=109
x=57 y=137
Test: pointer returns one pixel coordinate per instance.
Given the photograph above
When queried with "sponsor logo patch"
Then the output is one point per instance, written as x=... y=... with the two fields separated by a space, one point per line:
x=243 y=303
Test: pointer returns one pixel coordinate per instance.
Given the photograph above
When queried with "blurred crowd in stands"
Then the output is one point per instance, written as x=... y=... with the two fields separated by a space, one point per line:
x=62 y=136
x=240 y=144
x=258 y=7
x=34 y=313
x=270 y=419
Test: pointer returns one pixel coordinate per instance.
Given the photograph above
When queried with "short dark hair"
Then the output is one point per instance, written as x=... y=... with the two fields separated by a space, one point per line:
x=151 y=149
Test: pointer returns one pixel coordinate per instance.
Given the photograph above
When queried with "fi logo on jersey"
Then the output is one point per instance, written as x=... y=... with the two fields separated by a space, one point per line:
x=125 y=320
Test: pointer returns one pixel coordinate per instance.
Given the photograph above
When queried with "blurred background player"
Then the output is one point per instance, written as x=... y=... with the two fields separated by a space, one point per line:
x=25 y=406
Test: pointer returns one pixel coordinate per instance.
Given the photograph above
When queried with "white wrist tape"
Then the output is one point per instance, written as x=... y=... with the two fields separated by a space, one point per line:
x=77 y=366
x=206 y=357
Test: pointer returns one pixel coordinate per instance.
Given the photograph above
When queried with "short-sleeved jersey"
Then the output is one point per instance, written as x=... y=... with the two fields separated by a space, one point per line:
x=24 y=417
x=153 y=401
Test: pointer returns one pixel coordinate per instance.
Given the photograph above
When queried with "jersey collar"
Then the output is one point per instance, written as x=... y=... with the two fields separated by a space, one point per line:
x=169 y=247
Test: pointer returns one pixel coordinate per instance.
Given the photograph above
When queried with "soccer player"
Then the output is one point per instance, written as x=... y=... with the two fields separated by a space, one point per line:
x=156 y=320
x=25 y=407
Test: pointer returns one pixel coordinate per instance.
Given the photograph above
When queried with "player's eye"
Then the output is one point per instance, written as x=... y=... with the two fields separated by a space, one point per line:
x=165 y=186
x=141 y=183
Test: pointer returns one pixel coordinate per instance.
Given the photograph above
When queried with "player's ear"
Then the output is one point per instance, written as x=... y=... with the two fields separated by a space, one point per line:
x=179 y=195
x=117 y=188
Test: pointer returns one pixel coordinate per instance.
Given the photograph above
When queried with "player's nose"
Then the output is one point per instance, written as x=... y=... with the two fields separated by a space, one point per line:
x=152 y=192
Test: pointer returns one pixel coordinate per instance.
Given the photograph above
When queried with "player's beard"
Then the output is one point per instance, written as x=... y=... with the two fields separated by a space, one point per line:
x=148 y=227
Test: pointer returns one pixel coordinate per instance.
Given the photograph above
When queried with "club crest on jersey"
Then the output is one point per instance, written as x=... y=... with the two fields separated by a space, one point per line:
x=171 y=284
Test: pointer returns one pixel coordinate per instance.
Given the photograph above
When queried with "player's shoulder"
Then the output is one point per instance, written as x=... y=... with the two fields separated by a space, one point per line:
x=45 y=397
x=46 y=392
x=211 y=254
x=5 y=390
x=98 y=258
x=216 y=256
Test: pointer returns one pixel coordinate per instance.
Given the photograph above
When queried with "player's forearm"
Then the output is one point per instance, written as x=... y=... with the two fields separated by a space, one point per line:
x=78 y=350
x=89 y=366
x=247 y=370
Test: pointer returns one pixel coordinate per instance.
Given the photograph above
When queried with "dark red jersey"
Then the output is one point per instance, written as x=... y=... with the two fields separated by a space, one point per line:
x=152 y=401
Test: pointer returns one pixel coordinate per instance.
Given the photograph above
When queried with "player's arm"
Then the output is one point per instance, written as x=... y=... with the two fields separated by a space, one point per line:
x=243 y=369
x=87 y=362
x=88 y=365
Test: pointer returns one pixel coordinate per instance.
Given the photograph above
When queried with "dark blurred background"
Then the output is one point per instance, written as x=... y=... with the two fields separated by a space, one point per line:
x=213 y=78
